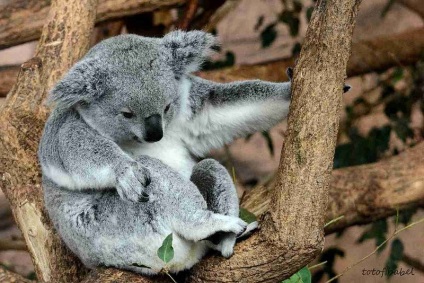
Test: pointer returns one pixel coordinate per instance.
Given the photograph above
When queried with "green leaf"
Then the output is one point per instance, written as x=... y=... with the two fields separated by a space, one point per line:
x=405 y=216
x=292 y=20
x=402 y=129
x=166 y=251
x=396 y=254
x=268 y=35
x=302 y=276
x=309 y=13
x=387 y=7
x=397 y=75
x=377 y=231
x=296 y=49
x=247 y=216
x=329 y=255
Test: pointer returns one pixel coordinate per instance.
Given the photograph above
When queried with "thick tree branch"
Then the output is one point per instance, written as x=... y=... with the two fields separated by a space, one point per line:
x=365 y=193
x=22 y=20
x=21 y=121
x=376 y=54
x=369 y=55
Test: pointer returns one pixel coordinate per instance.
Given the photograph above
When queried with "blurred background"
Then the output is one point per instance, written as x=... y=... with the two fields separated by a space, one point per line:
x=383 y=113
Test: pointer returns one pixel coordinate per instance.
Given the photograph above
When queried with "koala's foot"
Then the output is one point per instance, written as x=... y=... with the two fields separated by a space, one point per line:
x=210 y=225
x=233 y=224
x=131 y=181
x=224 y=242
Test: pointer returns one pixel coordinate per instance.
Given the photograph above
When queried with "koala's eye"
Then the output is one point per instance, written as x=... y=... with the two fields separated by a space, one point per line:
x=127 y=114
x=167 y=107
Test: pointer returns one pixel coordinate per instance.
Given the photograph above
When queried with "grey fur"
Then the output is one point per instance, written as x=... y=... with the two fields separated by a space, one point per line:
x=129 y=89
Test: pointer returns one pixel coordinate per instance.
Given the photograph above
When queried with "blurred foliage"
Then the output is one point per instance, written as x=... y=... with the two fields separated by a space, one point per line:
x=290 y=16
x=396 y=254
x=376 y=231
x=397 y=103
x=329 y=255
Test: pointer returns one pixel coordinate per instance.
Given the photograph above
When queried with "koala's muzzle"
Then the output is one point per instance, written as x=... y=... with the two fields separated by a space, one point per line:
x=153 y=126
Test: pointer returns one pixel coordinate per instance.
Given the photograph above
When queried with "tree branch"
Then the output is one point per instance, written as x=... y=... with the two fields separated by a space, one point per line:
x=189 y=14
x=365 y=193
x=10 y=244
x=10 y=277
x=22 y=20
x=292 y=230
x=376 y=54
x=413 y=262
x=414 y=5
x=22 y=119
x=369 y=55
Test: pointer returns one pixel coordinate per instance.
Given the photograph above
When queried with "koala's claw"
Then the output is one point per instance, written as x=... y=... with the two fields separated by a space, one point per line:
x=289 y=73
x=131 y=180
x=144 y=197
x=346 y=88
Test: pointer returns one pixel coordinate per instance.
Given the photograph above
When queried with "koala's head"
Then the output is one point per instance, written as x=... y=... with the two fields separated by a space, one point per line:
x=129 y=88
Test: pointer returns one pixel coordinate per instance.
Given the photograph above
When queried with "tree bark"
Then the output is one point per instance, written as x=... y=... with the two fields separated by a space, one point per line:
x=376 y=54
x=365 y=193
x=22 y=20
x=9 y=277
x=65 y=38
x=293 y=228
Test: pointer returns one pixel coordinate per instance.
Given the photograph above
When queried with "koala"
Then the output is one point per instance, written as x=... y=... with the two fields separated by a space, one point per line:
x=104 y=231
x=120 y=151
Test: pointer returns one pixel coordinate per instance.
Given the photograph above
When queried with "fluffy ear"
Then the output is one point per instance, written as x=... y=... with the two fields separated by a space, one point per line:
x=82 y=84
x=186 y=51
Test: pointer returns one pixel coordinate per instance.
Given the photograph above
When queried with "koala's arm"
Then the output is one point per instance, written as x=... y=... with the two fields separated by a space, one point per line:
x=223 y=112
x=87 y=160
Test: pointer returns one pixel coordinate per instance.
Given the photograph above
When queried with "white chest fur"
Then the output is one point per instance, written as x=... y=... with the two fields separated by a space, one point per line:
x=170 y=150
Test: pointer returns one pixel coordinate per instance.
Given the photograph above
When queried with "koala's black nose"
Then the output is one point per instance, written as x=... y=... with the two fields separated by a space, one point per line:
x=154 y=130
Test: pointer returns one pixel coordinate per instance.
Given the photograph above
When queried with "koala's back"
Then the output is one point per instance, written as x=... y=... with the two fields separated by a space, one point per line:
x=102 y=229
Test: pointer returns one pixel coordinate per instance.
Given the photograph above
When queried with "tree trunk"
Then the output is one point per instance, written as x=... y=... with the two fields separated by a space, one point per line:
x=22 y=20
x=293 y=229
x=64 y=40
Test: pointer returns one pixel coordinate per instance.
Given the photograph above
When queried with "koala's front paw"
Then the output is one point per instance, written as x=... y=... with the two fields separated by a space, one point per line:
x=131 y=181
x=234 y=224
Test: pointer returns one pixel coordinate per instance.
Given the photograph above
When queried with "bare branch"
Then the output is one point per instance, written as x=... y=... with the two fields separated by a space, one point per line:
x=413 y=262
x=414 y=5
x=22 y=20
x=10 y=244
x=189 y=14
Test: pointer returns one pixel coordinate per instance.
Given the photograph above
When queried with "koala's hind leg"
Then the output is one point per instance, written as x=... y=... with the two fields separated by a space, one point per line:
x=216 y=186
